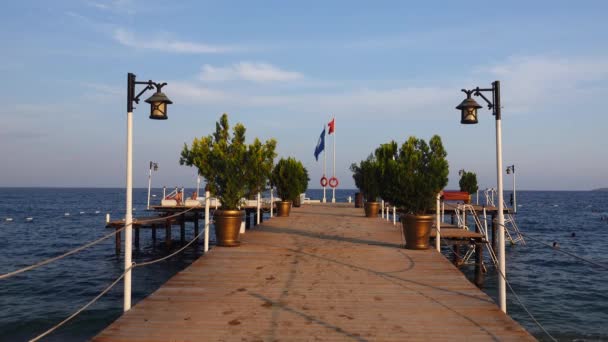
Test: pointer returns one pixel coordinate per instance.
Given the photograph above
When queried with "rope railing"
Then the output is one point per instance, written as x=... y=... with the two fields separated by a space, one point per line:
x=84 y=307
x=85 y=246
x=519 y=301
x=605 y=267
x=109 y=287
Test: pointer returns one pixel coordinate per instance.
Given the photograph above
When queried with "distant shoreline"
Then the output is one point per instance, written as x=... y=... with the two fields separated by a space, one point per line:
x=315 y=189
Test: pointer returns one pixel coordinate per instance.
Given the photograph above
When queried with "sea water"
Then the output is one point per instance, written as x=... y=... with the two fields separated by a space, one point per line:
x=567 y=296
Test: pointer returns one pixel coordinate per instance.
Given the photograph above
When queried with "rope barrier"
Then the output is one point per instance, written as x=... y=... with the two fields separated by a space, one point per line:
x=523 y=306
x=133 y=266
x=519 y=301
x=47 y=261
x=85 y=246
x=57 y=326
x=558 y=249
x=146 y=263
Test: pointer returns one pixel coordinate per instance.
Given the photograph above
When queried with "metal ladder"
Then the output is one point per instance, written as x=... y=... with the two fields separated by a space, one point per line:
x=461 y=211
x=511 y=229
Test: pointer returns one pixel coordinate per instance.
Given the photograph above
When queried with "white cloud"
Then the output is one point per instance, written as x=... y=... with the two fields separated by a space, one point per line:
x=249 y=71
x=183 y=92
x=164 y=44
x=405 y=102
x=534 y=82
x=121 y=6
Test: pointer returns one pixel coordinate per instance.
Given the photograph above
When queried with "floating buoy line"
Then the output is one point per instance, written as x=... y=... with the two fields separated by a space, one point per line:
x=65 y=214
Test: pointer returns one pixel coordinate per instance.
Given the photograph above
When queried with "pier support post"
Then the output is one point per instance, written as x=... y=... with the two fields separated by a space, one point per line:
x=168 y=233
x=182 y=228
x=247 y=219
x=153 y=234
x=196 y=225
x=456 y=251
x=137 y=237
x=479 y=264
x=118 y=241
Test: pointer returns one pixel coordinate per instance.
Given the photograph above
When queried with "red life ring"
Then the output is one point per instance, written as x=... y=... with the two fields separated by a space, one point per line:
x=323 y=181
x=333 y=182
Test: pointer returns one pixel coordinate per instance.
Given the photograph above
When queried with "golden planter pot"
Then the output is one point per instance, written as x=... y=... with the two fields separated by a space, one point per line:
x=228 y=227
x=371 y=209
x=283 y=208
x=417 y=230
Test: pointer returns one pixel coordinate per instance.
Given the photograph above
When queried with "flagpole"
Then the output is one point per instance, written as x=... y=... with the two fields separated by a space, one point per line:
x=324 y=162
x=333 y=189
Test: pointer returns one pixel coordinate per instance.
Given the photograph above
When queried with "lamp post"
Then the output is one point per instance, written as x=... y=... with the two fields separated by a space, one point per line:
x=468 y=108
x=158 y=111
x=511 y=169
x=153 y=166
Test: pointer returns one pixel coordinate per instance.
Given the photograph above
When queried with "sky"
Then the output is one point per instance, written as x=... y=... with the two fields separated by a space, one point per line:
x=386 y=70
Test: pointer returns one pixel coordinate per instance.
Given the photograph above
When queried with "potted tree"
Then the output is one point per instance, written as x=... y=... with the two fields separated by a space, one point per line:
x=366 y=176
x=225 y=163
x=291 y=179
x=412 y=181
x=468 y=183
x=259 y=166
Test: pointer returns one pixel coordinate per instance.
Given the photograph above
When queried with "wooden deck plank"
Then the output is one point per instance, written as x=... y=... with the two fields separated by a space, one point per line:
x=325 y=273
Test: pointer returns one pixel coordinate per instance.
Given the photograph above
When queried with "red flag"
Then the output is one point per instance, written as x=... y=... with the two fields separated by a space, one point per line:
x=331 y=125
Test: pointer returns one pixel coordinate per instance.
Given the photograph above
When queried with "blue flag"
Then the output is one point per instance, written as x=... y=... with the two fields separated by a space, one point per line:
x=320 y=145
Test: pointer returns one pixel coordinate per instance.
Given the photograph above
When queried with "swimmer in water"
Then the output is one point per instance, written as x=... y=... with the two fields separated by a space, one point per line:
x=555 y=244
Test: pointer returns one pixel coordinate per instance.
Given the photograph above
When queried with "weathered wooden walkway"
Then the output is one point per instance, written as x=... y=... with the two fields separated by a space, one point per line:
x=324 y=273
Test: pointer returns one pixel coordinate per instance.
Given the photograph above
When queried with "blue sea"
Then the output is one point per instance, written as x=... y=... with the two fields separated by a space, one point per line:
x=567 y=296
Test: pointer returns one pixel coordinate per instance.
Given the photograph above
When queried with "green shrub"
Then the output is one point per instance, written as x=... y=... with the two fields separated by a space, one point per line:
x=290 y=177
x=416 y=175
x=468 y=182
x=230 y=167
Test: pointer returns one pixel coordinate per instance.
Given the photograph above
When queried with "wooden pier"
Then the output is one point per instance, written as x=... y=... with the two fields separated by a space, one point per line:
x=166 y=218
x=324 y=273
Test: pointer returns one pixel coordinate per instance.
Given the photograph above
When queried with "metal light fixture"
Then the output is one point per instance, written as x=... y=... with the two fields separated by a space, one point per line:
x=158 y=101
x=158 y=104
x=158 y=111
x=468 y=109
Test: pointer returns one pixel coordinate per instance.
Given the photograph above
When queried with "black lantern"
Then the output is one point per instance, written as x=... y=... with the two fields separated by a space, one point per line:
x=468 y=108
x=158 y=105
x=158 y=101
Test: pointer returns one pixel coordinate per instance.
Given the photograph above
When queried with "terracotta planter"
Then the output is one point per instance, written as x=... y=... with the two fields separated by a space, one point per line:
x=228 y=227
x=371 y=209
x=283 y=208
x=417 y=230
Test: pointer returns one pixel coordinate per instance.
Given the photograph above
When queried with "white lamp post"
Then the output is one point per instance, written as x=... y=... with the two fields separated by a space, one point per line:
x=468 y=109
x=154 y=166
x=511 y=169
x=158 y=111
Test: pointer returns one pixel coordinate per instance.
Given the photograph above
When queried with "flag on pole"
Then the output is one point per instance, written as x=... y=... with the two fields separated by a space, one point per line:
x=320 y=145
x=331 y=125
